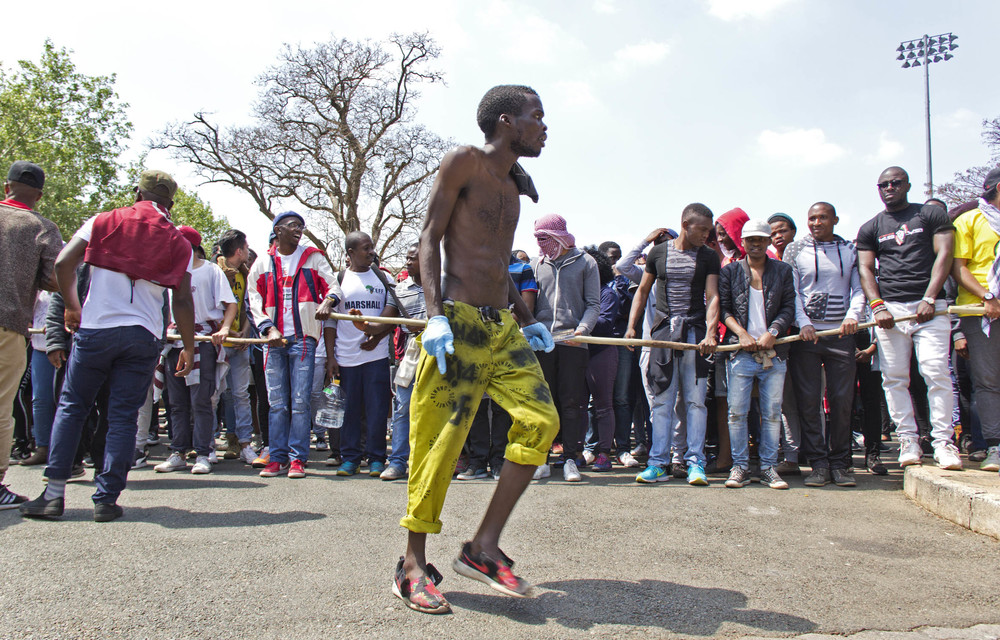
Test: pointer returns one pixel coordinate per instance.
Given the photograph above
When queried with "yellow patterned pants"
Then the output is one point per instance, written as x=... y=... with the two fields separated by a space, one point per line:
x=491 y=357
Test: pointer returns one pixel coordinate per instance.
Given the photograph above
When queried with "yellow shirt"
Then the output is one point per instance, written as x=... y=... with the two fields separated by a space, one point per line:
x=976 y=242
x=239 y=287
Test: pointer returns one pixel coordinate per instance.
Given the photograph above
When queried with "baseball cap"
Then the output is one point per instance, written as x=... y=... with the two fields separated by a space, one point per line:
x=281 y=217
x=158 y=182
x=992 y=180
x=756 y=228
x=191 y=234
x=27 y=173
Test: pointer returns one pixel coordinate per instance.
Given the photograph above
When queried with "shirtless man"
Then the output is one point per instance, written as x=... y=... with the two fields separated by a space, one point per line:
x=472 y=344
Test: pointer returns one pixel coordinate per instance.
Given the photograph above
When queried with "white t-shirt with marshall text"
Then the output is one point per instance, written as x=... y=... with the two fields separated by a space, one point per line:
x=366 y=293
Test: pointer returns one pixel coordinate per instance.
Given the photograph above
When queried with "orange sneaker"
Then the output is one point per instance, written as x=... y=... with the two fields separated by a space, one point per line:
x=263 y=459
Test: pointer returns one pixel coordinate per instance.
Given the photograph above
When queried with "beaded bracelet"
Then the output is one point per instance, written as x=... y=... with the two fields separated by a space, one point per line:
x=878 y=308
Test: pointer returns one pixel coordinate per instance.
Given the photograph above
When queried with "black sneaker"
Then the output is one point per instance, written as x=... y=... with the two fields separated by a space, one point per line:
x=844 y=478
x=820 y=477
x=738 y=477
x=496 y=573
x=106 y=512
x=473 y=473
x=42 y=508
x=678 y=470
x=9 y=499
x=875 y=466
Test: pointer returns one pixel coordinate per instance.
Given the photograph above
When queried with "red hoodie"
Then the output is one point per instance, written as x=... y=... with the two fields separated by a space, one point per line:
x=732 y=221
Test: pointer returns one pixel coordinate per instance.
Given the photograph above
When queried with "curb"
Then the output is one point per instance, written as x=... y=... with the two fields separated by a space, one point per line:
x=969 y=498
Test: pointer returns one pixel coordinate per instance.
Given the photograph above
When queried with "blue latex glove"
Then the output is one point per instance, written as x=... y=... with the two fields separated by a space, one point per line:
x=438 y=339
x=539 y=337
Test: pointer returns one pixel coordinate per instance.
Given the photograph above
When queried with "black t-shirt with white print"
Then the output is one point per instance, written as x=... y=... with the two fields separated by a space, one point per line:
x=903 y=242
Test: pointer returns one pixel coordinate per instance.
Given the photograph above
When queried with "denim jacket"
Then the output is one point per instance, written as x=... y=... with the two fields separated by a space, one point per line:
x=779 y=297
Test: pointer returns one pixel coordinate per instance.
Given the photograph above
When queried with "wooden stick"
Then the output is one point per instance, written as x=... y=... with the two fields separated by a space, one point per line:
x=971 y=309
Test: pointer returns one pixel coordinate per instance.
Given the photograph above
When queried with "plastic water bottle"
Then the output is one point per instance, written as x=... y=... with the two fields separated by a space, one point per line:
x=331 y=411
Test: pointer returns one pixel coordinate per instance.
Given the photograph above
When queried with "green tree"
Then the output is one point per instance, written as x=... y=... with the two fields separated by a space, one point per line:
x=72 y=125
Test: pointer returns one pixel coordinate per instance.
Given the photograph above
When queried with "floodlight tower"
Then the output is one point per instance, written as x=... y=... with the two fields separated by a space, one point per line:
x=922 y=52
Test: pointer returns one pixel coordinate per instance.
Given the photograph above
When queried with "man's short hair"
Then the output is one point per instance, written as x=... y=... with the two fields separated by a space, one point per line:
x=354 y=238
x=501 y=99
x=232 y=241
x=696 y=209
x=829 y=206
x=607 y=245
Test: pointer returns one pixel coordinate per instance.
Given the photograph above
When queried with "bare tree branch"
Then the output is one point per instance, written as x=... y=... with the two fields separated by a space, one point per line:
x=333 y=131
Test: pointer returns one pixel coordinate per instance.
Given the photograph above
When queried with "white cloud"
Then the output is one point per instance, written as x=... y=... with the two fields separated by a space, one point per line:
x=646 y=52
x=889 y=150
x=729 y=10
x=572 y=95
x=961 y=118
x=529 y=36
x=806 y=146
x=604 y=6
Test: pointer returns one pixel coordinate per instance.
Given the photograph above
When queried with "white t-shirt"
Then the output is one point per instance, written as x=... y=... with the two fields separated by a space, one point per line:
x=115 y=300
x=289 y=265
x=210 y=291
x=756 y=320
x=38 y=320
x=364 y=292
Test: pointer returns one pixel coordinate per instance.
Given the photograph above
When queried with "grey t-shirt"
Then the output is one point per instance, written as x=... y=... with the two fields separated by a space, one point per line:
x=680 y=266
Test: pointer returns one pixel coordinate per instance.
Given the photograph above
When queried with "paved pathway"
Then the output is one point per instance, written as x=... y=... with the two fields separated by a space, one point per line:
x=232 y=555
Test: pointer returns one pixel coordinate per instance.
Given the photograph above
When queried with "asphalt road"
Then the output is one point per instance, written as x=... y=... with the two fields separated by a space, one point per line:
x=233 y=555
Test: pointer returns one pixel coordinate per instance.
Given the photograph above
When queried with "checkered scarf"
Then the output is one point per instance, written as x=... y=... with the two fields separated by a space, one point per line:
x=993 y=278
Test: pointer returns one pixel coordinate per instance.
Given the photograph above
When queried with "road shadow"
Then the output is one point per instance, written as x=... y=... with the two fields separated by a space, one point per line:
x=677 y=608
x=174 y=518
x=188 y=482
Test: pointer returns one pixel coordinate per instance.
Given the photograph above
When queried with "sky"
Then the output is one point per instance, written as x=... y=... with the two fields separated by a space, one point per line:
x=768 y=105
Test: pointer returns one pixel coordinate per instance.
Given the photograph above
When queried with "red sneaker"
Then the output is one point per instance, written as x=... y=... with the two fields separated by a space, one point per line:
x=297 y=469
x=274 y=469
x=496 y=573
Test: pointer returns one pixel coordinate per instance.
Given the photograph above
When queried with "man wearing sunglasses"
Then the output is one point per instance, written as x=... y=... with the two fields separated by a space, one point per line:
x=913 y=245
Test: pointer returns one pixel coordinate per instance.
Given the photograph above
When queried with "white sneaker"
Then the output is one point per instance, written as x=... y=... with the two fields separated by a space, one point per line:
x=570 y=472
x=909 y=451
x=589 y=457
x=247 y=454
x=175 y=462
x=213 y=457
x=628 y=460
x=202 y=465
x=992 y=461
x=542 y=471
x=946 y=456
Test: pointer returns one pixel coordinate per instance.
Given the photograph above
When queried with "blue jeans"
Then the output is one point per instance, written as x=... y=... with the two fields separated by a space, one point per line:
x=239 y=420
x=692 y=389
x=365 y=386
x=289 y=374
x=125 y=357
x=400 y=455
x=743 y=370
x=43 y=400
x=191 y=410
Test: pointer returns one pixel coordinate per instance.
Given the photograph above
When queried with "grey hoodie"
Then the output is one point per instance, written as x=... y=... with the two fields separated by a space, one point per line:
x=827 y=285
x=569 y=292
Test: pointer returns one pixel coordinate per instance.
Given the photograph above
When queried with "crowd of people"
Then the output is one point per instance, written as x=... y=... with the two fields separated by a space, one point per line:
x=685 y=413
x=496 y=361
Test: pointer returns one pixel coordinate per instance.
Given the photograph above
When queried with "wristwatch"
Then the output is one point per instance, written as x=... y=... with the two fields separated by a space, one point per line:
x=774 y=332
x=989 y=296
x=929 y=300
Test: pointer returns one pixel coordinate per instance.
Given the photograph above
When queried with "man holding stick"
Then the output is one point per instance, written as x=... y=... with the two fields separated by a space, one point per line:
x=472 y=344
x=913 y=245
x=977 y=270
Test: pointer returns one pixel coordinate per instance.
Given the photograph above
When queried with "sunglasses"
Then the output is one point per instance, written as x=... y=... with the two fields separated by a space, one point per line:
x=895 y=184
